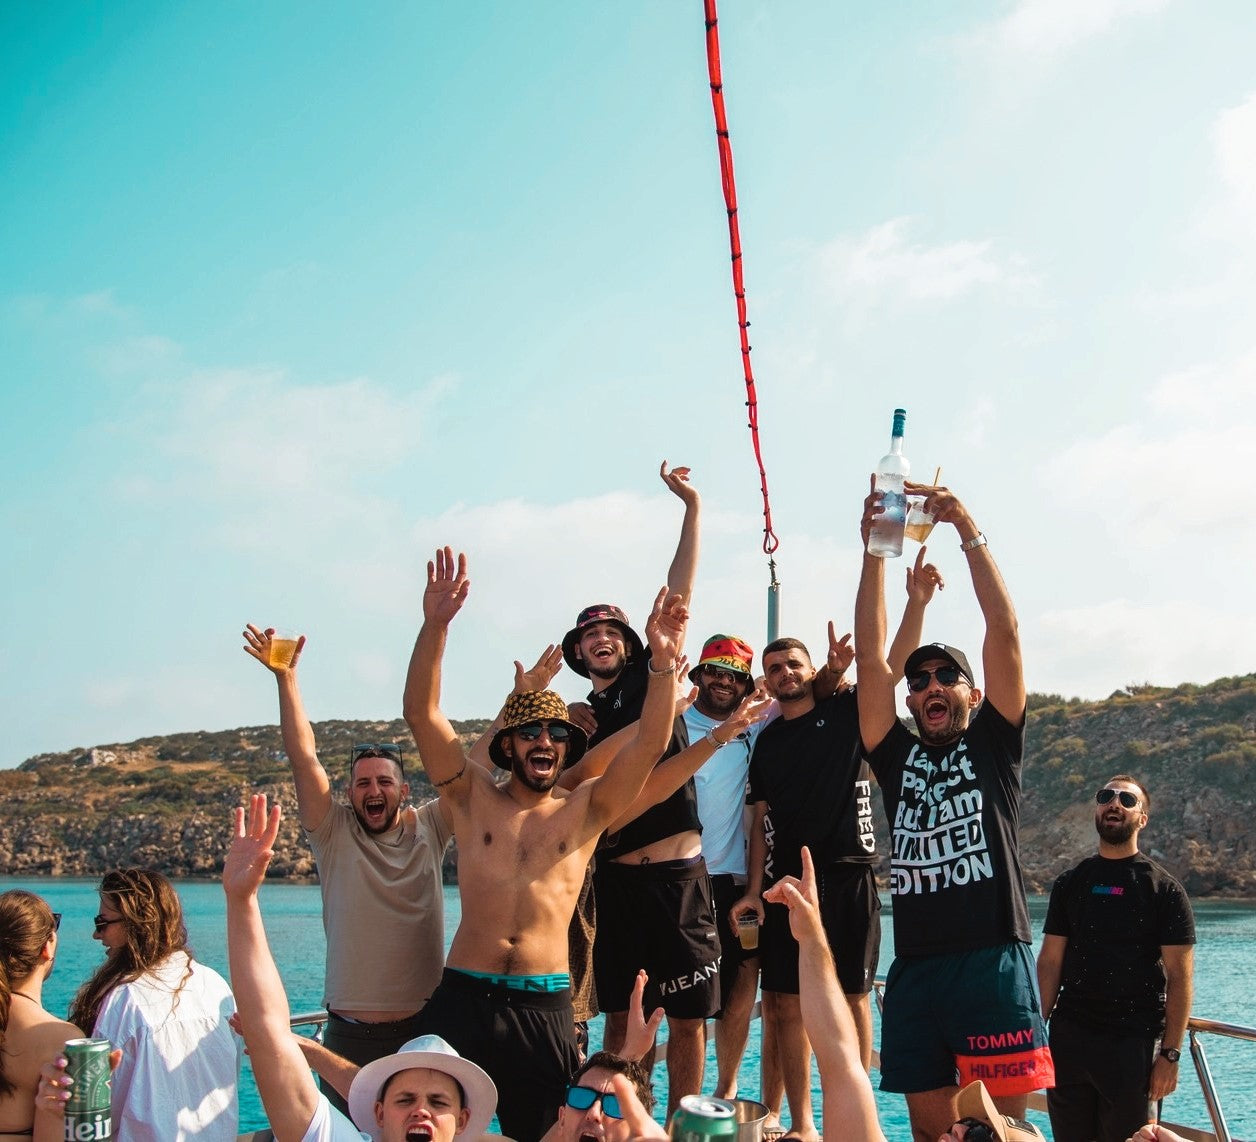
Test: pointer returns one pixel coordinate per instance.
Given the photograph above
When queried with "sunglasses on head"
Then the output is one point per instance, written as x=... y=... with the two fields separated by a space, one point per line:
x=946 y=676
x=977 y=1131
x=1128 y=799
x=375 y=749
x=583 y=1097
x=530 y=731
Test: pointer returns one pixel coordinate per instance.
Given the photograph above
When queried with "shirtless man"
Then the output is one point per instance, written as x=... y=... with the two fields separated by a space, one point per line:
x=504 y=1000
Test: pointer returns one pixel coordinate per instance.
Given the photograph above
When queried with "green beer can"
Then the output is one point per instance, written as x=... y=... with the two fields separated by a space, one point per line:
x=87 y=1114
x=699 y=1117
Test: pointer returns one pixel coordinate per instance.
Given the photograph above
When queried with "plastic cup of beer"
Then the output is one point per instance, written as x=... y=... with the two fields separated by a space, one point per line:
x=748 y=931
x=282 y=649
x=919 y=522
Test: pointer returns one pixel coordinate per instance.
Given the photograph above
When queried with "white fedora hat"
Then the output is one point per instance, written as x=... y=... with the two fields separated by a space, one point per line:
x=434 y=1054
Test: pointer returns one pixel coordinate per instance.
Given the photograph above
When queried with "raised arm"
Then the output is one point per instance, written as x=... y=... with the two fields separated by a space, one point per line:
x=828 y=679
x=526 y=681
x=684 y=567
x=310 y=778
x=1001 y=651
x=875 y=692
x=668 y=776
x=439 y=747
x=922 y=580
x=284 y=1082
x=622 y=781
x=826 y=1016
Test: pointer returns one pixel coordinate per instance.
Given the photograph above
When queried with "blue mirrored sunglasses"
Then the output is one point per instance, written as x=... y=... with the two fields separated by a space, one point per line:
x=583 y=1097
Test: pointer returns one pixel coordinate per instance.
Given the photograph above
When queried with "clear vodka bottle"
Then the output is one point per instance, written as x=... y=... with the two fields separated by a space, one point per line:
x=886 y=540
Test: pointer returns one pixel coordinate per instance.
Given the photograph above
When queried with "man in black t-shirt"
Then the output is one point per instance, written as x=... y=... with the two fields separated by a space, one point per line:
x=652 y=867
x=960 y=998
x=1115 y=976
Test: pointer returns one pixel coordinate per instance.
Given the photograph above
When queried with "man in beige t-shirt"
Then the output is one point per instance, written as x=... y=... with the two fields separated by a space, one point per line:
x=379 y=868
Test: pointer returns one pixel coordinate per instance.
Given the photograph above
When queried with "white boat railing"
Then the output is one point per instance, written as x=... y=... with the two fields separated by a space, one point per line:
x=1038 y=1100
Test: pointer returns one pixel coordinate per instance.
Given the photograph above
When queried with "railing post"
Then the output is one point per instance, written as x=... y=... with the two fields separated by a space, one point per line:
x=1204 y=1073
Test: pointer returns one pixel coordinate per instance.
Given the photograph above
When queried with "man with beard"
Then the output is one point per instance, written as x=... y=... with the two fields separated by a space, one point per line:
x=651 y=866
x=504 y=1000
x=1115 y=976
x=724 y=677
x=379 y=862
x=960 y=997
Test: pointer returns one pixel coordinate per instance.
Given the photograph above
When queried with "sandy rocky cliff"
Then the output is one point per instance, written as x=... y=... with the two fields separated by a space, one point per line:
x=166 y=802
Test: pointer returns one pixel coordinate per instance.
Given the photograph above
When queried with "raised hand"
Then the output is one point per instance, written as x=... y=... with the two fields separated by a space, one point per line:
x=257 y=643
x=252 y=847
x=541 y=674
x=940 y=502
x=686 y=691
x=640 y=1124
x=872 y=509
x=752 y=708
x=802 y=899
x=841 y=653
x=665 y=628
x=581 y=714
x=447 y=587
x=640 y=1032
x=923 y=579
x=678 y=481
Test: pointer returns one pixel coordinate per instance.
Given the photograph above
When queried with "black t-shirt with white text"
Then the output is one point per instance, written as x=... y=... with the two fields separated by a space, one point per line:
x=954 y=812
x=1116 y=916
x=811 y=772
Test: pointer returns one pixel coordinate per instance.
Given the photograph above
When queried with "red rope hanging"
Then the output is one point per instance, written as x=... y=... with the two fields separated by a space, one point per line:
x=770 y=542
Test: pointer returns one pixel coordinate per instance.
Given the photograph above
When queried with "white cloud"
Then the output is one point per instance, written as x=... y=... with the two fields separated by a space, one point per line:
x=1173 y=474
x=1091 y=650
x=1040 y=27
x=884 y=263
x=1234 y=146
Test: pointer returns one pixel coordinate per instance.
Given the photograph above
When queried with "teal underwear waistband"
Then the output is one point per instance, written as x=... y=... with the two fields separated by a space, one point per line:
x=560 y=981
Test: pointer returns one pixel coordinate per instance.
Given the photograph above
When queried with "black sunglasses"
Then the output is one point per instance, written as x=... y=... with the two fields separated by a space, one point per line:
x=558 y=732
x=583 y=1097
x=1128 y=799
x=714 y=672
x=375 y=749
x=56 y=921
x=977 y=1131
x=946 y=676
x=102 y=922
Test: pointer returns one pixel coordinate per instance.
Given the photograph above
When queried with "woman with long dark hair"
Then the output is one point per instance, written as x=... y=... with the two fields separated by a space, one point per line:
x=166 y=1012
x=29 y=1035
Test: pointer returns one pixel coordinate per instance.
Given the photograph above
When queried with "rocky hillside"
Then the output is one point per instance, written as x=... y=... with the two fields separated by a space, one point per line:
x=166 y=801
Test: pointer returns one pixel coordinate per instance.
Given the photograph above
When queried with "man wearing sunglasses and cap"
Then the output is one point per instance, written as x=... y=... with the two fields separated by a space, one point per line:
x=371 y=853
x=1115 y=975
x=505 y=997
x=961 y=1000
x=844 y=1083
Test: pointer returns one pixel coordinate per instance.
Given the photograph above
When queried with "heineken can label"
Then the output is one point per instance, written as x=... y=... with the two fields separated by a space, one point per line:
x=698 y=1117
x=87 y=1114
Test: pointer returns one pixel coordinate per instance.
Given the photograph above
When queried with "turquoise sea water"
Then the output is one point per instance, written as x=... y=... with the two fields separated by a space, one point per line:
x=1225 y=963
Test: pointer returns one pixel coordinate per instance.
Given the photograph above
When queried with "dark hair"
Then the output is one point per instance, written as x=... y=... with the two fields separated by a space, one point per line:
x=395 y=758
x=1134 y=781
x=383 y=1090
x=784 y=644
x=153 y=920
x=26 y=925
x=632 y=1070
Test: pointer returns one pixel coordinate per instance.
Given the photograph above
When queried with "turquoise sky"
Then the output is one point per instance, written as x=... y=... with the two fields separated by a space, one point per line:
x=292 y=293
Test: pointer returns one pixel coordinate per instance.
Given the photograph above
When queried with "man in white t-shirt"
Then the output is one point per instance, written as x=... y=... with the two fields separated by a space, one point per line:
x=379 y=870
x=724 y=677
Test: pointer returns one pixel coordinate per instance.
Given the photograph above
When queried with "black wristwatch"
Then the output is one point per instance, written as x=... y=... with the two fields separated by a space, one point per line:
x=1171 y=1053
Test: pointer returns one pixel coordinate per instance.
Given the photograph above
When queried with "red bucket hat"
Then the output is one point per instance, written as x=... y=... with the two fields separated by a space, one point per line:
x=728 y=652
